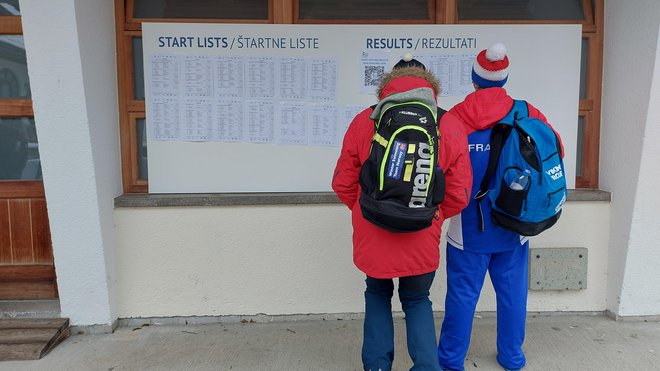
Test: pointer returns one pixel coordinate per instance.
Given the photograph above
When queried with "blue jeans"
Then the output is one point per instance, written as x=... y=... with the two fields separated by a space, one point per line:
x=378 y=344
x=465 y=276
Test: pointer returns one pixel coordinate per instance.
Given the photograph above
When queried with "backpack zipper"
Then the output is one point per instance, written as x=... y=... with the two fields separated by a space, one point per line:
x=528 y=143
x=552 y=193
x=434 y=114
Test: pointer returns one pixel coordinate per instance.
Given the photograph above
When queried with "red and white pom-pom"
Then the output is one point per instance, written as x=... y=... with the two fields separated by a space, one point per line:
x=496 y=52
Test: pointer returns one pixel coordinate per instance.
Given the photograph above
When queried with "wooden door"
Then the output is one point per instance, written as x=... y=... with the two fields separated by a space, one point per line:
x=26 y=256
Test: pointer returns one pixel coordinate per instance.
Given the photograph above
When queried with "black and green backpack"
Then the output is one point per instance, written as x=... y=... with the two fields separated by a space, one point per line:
x=402 y=185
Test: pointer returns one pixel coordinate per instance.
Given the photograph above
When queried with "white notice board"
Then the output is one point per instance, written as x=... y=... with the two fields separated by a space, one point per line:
x=263 y=108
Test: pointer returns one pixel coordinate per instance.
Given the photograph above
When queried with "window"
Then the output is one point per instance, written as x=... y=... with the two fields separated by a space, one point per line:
x=14 y=83
x=138 y=68
x=587 y=12
x=200 y=9
x=556 y=10
x=324 y=11
x=19 y=148
x=130 y=14
x=9 y=8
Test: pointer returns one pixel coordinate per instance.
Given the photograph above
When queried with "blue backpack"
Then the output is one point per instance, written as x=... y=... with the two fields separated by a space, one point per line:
x=525 y=181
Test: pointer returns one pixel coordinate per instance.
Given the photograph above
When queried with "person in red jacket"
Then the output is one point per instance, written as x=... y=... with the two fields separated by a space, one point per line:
x=413 y=257
x=472 y=251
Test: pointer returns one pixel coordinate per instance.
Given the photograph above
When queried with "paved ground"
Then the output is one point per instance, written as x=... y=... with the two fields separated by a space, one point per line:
x=553 y=343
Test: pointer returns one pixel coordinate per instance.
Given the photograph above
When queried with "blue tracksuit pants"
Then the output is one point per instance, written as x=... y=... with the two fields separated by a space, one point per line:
x=465 y=277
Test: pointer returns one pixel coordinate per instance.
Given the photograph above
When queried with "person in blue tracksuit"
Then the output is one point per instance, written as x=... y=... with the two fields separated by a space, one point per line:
x=472 y=252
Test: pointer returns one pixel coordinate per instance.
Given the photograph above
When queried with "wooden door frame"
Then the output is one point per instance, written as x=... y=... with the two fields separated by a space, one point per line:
x=24 y=276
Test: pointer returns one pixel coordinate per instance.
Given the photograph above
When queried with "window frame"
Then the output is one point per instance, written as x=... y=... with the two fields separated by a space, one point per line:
x=129 y=107
x=591 y=105
x=11 y=25
x=286 y=12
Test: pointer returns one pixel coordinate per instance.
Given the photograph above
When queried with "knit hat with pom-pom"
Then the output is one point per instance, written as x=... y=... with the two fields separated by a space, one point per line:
x=491 y=67
x=408 y=61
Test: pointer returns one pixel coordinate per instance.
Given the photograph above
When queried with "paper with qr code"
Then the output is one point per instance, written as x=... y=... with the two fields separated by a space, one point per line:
x=373 y=65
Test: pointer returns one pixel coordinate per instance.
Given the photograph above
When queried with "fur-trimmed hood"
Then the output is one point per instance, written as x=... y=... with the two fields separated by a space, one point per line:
x=405 y=85
x=408 y=71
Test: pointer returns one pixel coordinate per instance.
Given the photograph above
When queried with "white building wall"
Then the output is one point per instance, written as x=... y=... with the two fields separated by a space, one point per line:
x=629 y=132
x=297 y=259
x=640 y=293
x=71 y=60
x=246 y=260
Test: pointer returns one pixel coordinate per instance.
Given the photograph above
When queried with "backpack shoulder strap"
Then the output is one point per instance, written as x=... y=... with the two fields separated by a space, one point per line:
x=440 y=113
x=518 y=111
x=375 y=121
x=498 y=136
x=373 y=108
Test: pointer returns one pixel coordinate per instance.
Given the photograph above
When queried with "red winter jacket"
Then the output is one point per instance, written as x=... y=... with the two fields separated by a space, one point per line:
x=380 y=253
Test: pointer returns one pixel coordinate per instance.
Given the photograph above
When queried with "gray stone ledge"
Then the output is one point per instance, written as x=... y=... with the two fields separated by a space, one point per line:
x=225 y=199
x=94 y=329
x=646 y=318
x=260 y=199
x=268 y=318
x=589 y=195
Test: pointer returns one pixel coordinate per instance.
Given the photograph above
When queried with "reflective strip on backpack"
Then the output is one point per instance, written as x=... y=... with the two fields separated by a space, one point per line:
x=407 y=174
x=380 y=140
x=387 y=153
